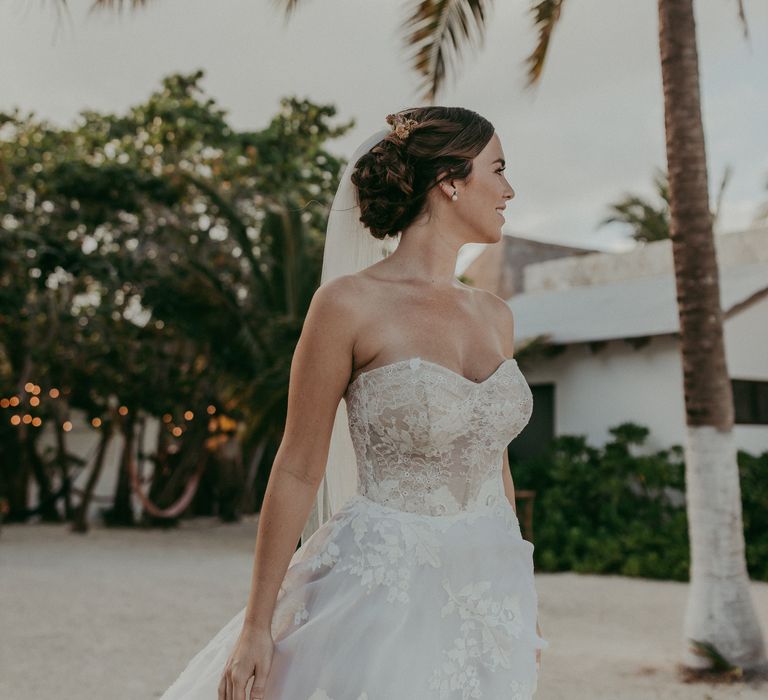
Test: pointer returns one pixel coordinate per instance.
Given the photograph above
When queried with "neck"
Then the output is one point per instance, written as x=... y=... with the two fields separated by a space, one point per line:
x=425 y=252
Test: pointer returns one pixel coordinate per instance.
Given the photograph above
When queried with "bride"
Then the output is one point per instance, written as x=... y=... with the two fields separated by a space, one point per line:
x=413 y=580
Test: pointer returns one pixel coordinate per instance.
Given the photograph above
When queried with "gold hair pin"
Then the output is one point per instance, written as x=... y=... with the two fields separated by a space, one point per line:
x=401 y=126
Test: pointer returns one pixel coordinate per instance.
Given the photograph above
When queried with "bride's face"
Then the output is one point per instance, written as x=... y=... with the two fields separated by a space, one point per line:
x=483 y=194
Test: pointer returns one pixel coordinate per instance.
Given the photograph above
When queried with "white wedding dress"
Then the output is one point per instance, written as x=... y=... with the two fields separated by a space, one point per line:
x=420 y=586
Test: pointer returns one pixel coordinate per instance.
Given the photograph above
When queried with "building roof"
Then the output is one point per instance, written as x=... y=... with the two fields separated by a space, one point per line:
x=632 y=308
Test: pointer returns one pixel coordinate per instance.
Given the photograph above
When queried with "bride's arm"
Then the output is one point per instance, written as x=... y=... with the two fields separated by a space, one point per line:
x=320 y=370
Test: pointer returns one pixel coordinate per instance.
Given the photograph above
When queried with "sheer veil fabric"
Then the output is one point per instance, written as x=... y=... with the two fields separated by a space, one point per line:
x=349 y=247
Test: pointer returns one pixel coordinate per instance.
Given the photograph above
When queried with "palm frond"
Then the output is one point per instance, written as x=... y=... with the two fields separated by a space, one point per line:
x=727 y=172
x=437 y=31
x=116 y=4
x=288 y=7
x=743 y=17
x=661 y=183
x=546 y=14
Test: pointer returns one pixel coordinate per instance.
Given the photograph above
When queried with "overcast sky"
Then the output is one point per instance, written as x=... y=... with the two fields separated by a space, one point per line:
x=592 y=132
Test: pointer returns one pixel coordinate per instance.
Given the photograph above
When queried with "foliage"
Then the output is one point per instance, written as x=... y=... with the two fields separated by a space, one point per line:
x=611 y=510
x=649 y=221
x=754 y=498
x=160 y=259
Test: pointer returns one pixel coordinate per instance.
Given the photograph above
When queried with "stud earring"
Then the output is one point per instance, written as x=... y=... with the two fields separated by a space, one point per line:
x=454 y=196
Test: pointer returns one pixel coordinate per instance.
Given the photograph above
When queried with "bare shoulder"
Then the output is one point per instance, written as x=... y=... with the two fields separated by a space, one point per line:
x=338 y=297
x=320 y=369
x=499 y=314
x=330 y=325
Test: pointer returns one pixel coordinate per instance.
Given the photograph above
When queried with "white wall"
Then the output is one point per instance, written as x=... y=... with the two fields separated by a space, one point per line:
x=596 y=391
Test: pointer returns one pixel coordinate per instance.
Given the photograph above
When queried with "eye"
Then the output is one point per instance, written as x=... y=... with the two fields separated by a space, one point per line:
x=501 y=170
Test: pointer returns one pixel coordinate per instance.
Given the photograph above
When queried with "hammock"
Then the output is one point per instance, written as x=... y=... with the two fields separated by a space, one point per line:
x=177 y=508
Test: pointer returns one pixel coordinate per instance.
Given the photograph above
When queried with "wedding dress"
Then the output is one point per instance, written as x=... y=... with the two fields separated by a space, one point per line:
x=421 y=585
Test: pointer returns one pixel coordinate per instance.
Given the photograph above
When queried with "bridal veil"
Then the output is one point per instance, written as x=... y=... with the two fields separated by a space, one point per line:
x=349 y=247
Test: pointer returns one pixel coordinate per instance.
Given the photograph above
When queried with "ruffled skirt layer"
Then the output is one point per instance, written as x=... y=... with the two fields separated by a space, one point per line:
x=382 y=604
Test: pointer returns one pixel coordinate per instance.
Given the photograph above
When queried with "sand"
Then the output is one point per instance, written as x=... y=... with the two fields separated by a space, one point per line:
x=117 y=614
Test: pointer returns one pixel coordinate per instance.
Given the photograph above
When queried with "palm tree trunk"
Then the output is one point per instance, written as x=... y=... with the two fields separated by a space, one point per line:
x=48 y=511
x=121 y=514
x=720 y=609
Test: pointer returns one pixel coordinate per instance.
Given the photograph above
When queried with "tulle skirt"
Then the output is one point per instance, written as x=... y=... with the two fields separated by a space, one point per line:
x=382 y=604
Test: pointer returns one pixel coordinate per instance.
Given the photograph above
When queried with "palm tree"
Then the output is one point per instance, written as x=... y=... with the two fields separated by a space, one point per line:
x=720 y=611
x=650 y=220
x=720 y=615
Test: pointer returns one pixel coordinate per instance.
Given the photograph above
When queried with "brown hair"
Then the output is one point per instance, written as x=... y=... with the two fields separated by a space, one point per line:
x=394 y=177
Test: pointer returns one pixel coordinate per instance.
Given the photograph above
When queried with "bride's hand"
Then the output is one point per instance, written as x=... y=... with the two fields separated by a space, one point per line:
x=250 y=658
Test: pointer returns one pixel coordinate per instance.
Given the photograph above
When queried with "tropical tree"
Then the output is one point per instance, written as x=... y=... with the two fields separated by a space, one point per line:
x=649 y=220
x=157 y=263
x=720 y=617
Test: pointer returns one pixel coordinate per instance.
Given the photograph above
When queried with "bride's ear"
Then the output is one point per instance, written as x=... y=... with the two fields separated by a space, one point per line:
x=448 y=187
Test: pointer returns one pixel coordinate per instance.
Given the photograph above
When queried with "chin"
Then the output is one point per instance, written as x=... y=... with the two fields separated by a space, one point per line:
x=497 y=235
x=489 y=235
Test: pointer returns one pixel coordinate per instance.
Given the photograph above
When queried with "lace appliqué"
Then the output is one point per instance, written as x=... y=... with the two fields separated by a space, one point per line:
x=389 y=559
x=392 y=544
x=428 y=440
x=489 y=628
x=300 y=615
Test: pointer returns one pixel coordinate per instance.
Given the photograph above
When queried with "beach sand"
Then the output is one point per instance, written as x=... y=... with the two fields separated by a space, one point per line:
x=117 y=614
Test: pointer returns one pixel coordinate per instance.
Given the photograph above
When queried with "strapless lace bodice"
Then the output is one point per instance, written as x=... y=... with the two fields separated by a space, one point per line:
x=428 y=440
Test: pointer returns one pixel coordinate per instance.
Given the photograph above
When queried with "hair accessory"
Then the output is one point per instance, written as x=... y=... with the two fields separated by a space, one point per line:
x=401 y=125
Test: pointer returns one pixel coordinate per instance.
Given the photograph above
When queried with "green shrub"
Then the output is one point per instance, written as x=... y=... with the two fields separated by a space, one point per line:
x=610 y=510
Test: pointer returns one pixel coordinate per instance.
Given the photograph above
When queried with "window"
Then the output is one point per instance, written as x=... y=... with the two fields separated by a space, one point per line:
x=750 y=400
x=536 y=437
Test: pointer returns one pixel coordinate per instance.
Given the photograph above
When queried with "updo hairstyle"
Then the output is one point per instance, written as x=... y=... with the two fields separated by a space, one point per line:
x=395 y=176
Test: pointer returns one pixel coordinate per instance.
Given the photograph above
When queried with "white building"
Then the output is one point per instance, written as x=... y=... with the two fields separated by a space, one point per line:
x=611 y=351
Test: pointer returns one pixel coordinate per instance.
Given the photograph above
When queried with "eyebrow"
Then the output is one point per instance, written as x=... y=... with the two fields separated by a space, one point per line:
x=499 y=160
